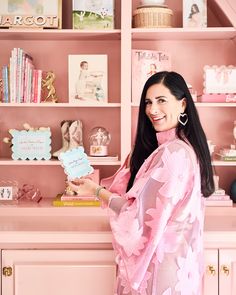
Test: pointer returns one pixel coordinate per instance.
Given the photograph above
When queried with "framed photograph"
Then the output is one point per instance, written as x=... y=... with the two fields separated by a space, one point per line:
x=31 y=13
x=195 y=13
x=219 y=79
x=87 y=78
x=93 y=14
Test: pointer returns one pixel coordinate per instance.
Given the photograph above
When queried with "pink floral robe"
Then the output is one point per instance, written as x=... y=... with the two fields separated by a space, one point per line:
x=158 y=230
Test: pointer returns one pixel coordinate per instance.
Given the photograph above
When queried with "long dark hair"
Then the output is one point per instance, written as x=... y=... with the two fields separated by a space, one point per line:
x=146 y=142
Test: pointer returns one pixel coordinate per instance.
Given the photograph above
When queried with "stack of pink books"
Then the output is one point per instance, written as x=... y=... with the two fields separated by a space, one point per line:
x=219 y=198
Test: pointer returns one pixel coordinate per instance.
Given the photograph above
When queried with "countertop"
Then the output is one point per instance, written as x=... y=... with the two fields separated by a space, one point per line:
x=51 y=227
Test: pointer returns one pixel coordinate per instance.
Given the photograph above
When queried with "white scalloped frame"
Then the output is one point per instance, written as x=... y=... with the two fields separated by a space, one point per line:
x=31 y=145
x=75 y=163
x=219 y=79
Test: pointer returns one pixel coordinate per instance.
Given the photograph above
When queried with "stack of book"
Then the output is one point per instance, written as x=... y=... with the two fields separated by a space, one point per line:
x=21 y=81
x=62 y=200
x=219 y=198
x=227 y=154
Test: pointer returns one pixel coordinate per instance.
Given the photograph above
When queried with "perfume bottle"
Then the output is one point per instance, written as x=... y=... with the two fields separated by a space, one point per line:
x=99 y=139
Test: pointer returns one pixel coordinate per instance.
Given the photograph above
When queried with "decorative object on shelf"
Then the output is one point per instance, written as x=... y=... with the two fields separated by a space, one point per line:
x=145 y=63
x=65 y=124
x=88 y=78
x=93 y=15
x=195 y=13
x=152 y=17
x=72 y=136
x=75 y=163
x=233 y=191
x=220 y=79
x=192 y=92
x=211 y=147
x=47 y=83
x=227 y=153
x=30 y=193
x=230 y=98
x=31 y=143
x=8 y=191
x=31 y=14
x=99 y=138
x=152 y=3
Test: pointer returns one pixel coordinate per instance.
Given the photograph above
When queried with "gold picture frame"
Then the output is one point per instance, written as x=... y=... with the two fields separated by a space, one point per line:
x=31 y=14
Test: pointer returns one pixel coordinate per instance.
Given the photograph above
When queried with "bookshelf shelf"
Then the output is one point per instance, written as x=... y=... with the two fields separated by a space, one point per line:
x=63 y=34
x=206 y=104
x=215 y=104
x=9 y=162
x=59 y=105
x=216 y=33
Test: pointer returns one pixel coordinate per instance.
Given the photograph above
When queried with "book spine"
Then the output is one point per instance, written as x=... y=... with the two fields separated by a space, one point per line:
x=58 y=203
x=77 y=198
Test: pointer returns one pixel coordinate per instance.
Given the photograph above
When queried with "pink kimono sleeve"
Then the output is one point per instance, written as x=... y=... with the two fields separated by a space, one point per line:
x=140 y=226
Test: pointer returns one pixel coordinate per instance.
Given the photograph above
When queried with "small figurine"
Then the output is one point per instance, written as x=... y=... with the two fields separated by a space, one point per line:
x=48 y=84
x=99 y=139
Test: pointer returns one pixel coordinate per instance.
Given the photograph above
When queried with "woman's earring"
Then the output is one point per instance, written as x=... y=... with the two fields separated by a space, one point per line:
x=183 y=118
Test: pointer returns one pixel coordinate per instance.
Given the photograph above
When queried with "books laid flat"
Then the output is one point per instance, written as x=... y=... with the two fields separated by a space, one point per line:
x=103 y=159
x=145 y=63
x=218 y=200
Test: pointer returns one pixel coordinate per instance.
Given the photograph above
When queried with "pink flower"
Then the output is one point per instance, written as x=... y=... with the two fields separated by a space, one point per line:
x=174 y=174
x=128 y=233
x=188 y=274
x=167 y=292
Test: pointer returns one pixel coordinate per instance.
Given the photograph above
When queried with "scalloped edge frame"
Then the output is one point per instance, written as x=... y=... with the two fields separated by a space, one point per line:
x=75 y=163
x=20 y=135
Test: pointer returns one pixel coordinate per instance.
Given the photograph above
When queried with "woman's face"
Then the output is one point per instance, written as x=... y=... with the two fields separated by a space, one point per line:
x=162 y=108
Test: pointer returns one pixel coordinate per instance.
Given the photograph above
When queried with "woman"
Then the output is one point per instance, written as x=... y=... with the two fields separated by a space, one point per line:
x=158 y=204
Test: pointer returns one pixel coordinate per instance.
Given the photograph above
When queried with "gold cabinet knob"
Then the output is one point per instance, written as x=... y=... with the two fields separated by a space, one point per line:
x=225 y=269
x=211 y=270
x=7 y=271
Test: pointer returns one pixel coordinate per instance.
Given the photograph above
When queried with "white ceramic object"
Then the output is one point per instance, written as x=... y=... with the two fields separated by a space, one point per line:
x=152 y=2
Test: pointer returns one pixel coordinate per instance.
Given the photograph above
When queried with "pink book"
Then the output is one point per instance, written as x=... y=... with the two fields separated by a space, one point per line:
x=218 y=98
x=219 y=197
x=145 y=63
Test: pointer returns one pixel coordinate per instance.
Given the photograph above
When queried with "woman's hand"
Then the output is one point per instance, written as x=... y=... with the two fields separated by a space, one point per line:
x=83 y=186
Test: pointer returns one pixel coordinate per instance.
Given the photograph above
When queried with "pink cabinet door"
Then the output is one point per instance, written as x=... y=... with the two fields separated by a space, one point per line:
x=210 y=281
x=59 y=272
x=227 y=272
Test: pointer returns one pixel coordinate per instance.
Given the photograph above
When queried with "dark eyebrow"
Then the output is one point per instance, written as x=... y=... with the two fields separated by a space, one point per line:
x=157 y=97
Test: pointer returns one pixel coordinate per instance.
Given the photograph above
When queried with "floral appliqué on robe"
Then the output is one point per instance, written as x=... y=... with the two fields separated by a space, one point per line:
x=157 y=232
